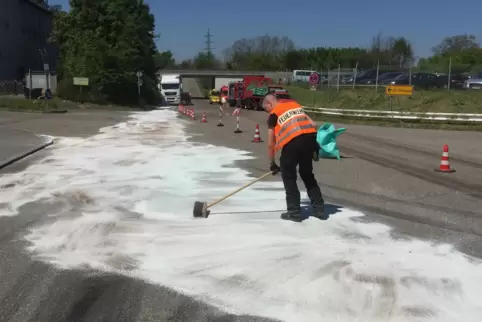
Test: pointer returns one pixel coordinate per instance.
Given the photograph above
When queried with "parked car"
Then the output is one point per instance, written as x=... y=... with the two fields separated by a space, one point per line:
x=365 y=76
x=418 y=80
x=473 y=82
x=456 y=81
x=383 y=79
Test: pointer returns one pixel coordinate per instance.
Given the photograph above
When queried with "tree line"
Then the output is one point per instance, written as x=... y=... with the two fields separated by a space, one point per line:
x=110 y=41
x=107 y=42
x=462 y=52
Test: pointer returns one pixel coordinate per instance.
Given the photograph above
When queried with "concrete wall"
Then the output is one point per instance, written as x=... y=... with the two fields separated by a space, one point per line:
x=24 y=29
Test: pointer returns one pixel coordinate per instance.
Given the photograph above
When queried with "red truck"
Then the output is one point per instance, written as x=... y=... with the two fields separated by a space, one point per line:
x=249 y=92
x=223 y=94
x=244 y=94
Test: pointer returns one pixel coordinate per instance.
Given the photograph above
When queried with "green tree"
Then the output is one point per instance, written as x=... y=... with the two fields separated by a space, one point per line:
x=205 y=61
x=108 y=42
x=186 y=64
x=454 y=44
x=164 y=59
x=263 y=52
x=402 y=52
x=279 y=53
x=462 y=52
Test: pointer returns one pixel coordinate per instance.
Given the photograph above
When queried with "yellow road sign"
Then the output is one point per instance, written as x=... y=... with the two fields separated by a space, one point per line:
x=399 y=90
x=81 y=81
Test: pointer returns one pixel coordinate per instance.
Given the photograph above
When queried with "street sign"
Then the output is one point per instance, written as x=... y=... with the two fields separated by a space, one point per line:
x=314 y=79
x=139 y=74
x=81 y=81
x=399 y=90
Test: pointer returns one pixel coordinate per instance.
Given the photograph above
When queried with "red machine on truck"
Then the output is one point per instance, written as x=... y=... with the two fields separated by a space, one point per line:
x=249 y=92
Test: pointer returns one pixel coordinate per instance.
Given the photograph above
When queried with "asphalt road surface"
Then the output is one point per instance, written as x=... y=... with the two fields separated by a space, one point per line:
x=385 y=172
x=191 y=86
x=37 y=292
x=389 y=172
x=9 y=139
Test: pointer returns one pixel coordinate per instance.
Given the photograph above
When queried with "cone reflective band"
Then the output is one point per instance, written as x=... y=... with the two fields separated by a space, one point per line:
x=237 y=112
x=257 y=136
x=221 y=112
x=445 y=161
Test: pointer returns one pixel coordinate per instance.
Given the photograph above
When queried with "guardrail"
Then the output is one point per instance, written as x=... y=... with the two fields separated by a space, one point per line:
x=399 y=115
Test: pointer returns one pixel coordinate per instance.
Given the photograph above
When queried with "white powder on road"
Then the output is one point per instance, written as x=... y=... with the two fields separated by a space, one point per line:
x=122 y=201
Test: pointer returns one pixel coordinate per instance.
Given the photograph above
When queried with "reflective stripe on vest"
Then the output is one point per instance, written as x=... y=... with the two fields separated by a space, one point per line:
x=292 y=122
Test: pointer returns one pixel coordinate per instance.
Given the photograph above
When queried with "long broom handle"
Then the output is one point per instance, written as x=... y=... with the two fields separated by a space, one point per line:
x=238 y=190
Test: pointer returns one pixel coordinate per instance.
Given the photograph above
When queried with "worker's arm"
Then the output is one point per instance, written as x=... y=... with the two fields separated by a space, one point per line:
x=272 y=120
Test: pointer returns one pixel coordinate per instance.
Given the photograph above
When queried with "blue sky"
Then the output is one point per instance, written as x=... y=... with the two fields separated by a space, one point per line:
x=310 y=23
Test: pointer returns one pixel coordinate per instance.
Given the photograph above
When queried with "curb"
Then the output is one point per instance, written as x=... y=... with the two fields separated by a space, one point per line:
x=25 y=154
x=37 y=112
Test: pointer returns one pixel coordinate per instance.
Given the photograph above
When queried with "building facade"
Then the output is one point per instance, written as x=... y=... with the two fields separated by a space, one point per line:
x=25 y=26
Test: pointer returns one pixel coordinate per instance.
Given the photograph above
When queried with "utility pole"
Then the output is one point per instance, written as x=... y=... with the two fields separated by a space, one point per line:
x=139 y=75
x=44 y=55
x=209 y=42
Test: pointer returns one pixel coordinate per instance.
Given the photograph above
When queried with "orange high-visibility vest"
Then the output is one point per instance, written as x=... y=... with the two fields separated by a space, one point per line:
x=292 y=122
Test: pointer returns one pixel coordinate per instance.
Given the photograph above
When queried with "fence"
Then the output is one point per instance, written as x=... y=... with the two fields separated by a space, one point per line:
x=12 y=88
x=346 y=77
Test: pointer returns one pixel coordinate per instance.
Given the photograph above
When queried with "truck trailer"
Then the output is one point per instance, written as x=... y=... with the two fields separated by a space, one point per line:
x=249 y=92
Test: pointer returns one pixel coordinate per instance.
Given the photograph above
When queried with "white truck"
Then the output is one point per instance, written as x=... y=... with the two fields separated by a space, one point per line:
x=170 y=87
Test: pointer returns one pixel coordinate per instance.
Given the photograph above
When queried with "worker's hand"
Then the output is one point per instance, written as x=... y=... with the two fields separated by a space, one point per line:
x=316 y=155
x=274 y=168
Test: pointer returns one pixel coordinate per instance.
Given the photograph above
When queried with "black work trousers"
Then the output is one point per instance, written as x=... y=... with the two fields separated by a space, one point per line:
x=299 y=152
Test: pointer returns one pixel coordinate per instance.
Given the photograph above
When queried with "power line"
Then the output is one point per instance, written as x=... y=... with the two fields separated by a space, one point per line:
x=208 y=42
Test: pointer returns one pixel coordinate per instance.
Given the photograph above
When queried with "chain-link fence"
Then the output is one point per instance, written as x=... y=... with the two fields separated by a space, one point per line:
x=12 y=88
x=378 y=76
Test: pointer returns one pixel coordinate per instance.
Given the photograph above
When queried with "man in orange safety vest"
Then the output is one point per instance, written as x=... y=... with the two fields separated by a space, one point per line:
x=293 y=132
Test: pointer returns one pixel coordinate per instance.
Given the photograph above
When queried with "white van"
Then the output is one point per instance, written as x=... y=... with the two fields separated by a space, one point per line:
x=302 y=75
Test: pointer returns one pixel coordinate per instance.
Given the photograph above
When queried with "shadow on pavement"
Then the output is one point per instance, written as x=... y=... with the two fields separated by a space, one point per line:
x=306 y=210
x=330 y=209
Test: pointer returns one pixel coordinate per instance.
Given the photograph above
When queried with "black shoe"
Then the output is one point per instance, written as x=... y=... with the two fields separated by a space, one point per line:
x=319 y=212
x=317 y=203
x=293 y=215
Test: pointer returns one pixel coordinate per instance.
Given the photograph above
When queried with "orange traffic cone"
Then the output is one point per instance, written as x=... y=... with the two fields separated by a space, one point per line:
x=444 y=161
x=257 y=136
x=203 y=119
x=193 y=116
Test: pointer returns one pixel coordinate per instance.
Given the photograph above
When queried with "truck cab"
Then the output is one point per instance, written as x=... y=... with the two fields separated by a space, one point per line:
x=224 y=94
x=170 y=87
x=213 y=96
